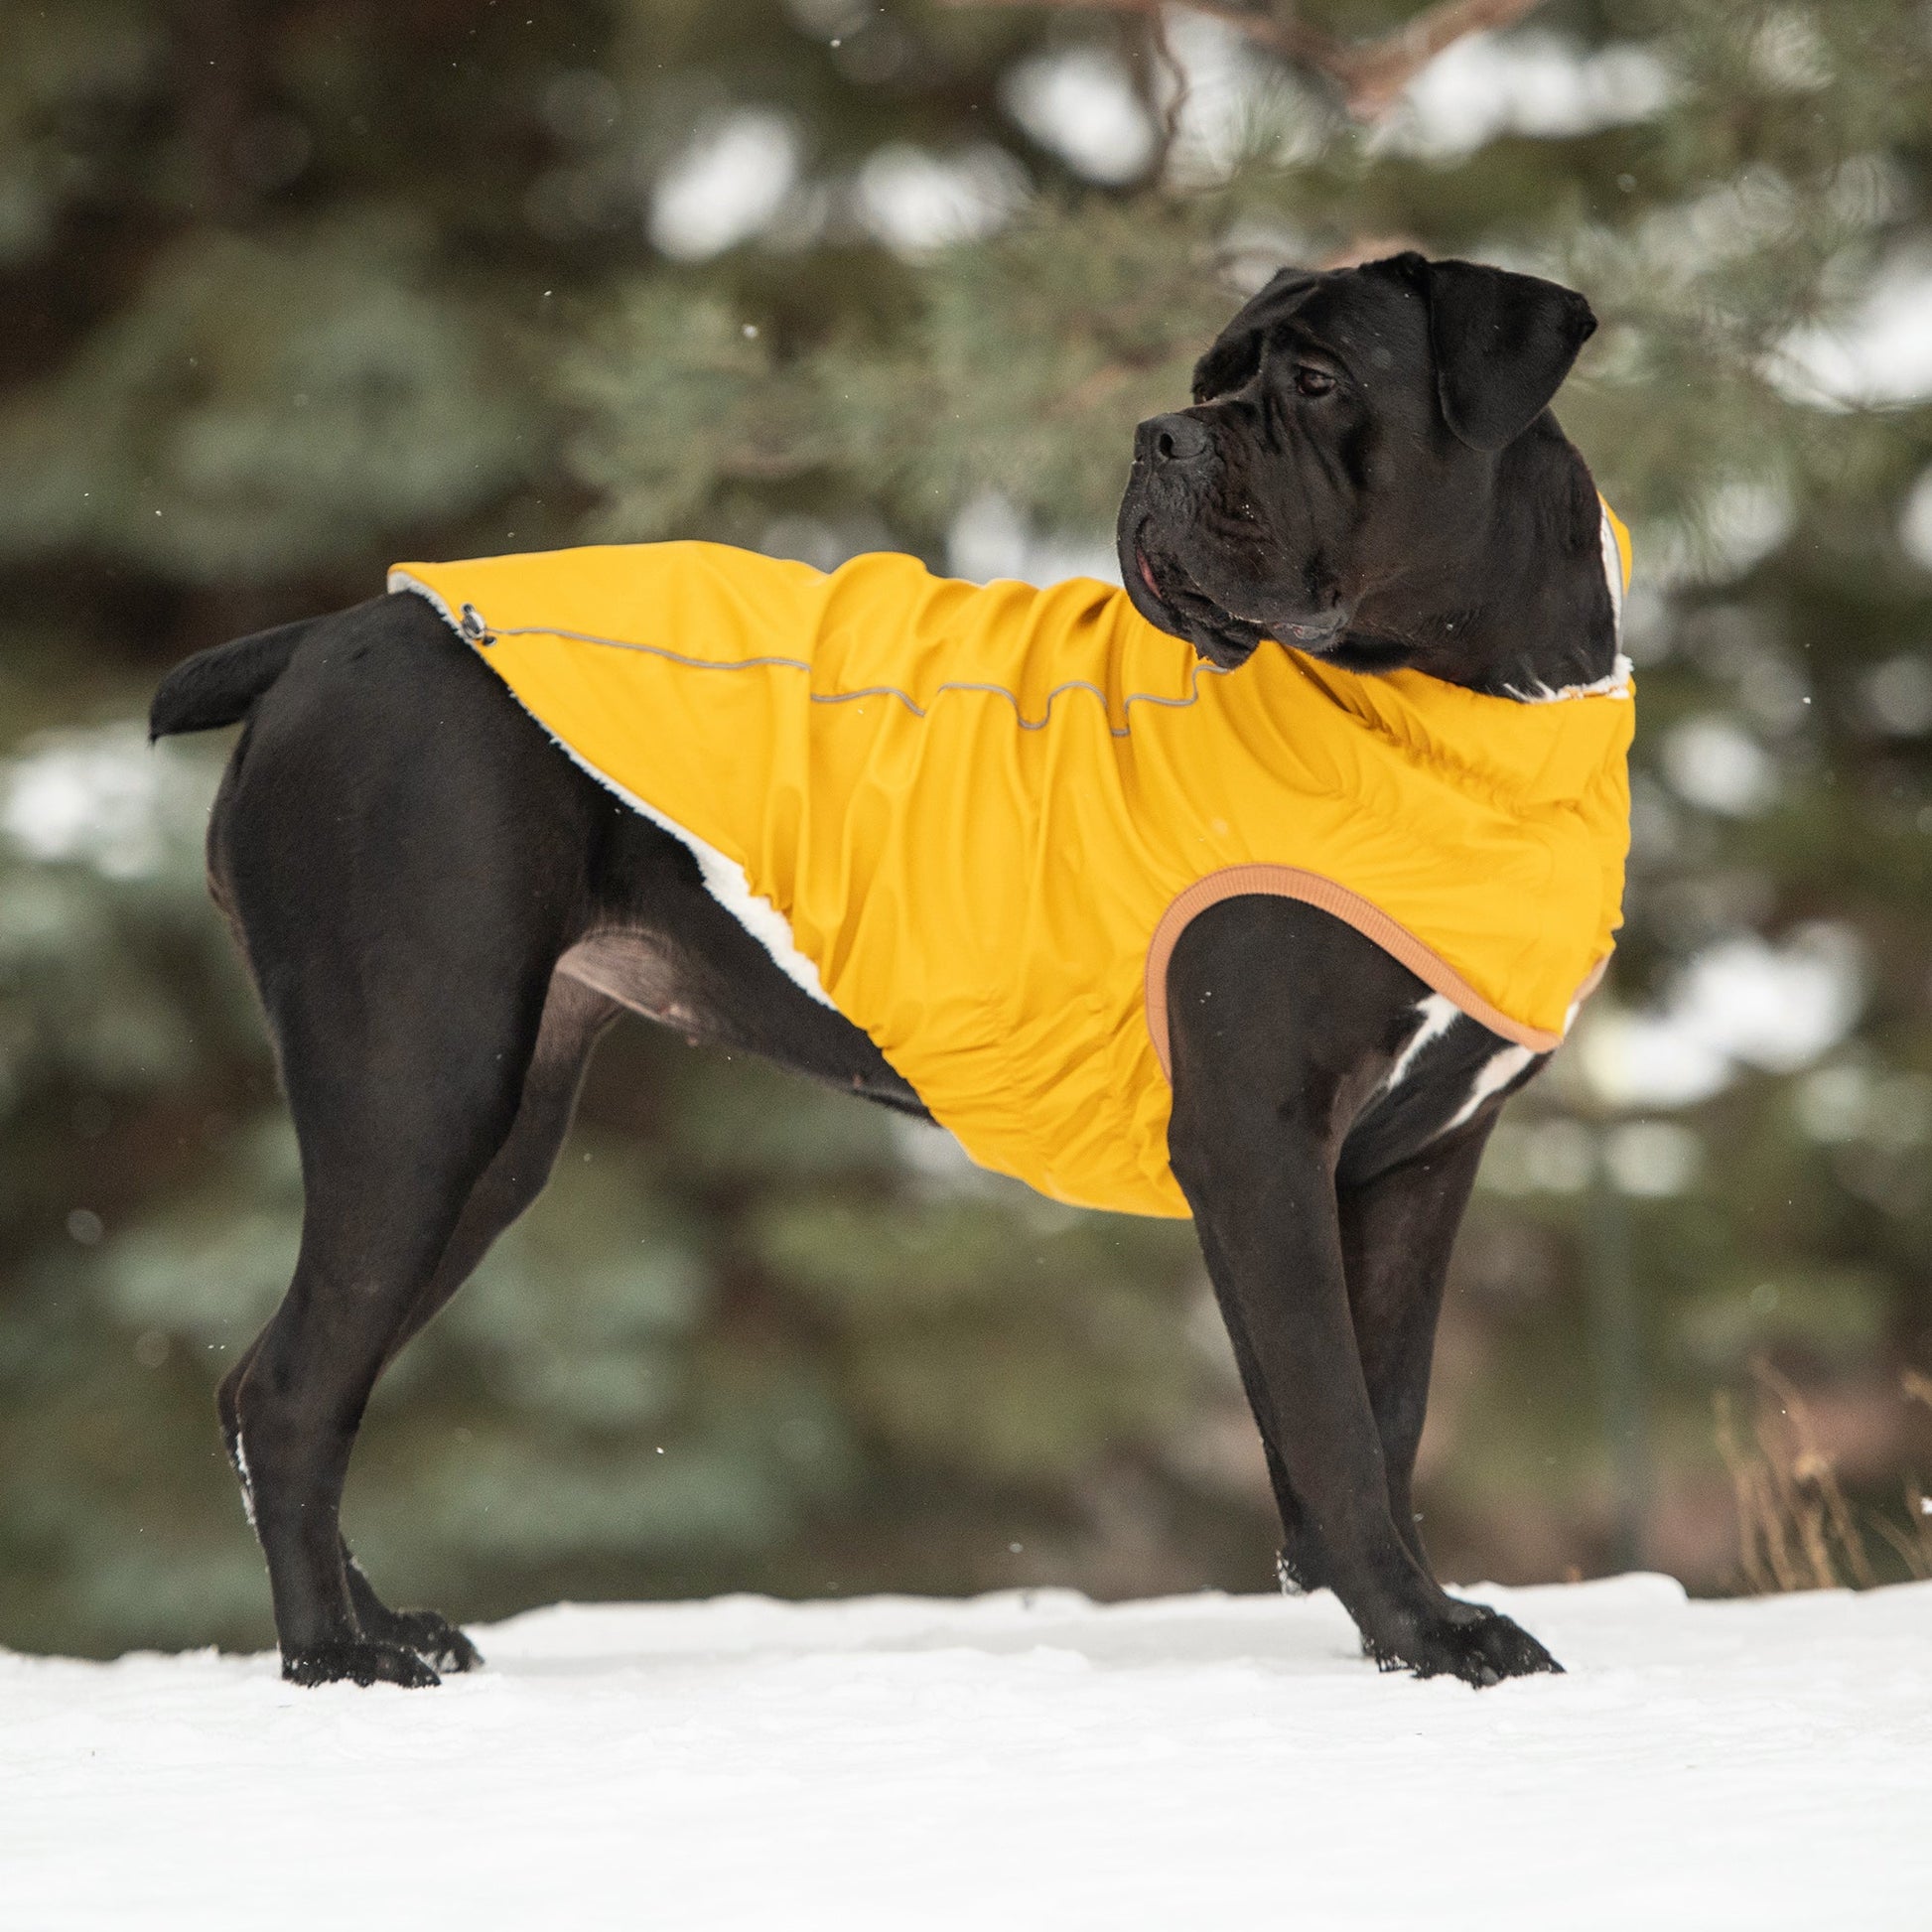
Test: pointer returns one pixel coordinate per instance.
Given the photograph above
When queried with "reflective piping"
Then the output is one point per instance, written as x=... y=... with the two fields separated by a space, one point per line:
x=470 y=626
x=724 y=877
x=1291 y=882
x=1233 y=882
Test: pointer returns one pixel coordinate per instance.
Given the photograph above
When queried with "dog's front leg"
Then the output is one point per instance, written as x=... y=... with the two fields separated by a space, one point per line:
x=1259 y=1100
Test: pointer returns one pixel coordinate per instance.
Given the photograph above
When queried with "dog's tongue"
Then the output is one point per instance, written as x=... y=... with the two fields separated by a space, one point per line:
x=1146 y=572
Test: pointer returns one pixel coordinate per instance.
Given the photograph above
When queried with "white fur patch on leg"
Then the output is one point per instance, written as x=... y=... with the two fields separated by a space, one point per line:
x=239 y=1457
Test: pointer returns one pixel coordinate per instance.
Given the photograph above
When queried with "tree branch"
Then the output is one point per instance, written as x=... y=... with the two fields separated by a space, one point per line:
x=1379 y=70
x=1369 y=76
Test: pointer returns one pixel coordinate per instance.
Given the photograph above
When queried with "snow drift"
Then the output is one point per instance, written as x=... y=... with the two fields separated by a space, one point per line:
x=1029 y=1759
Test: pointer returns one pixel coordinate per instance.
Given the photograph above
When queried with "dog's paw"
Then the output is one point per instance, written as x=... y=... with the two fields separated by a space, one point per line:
x=1480 y=1645
x=433 y=1638
x=361 y=1662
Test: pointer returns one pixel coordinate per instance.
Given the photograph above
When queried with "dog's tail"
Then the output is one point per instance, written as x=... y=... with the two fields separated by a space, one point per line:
x=219 y=686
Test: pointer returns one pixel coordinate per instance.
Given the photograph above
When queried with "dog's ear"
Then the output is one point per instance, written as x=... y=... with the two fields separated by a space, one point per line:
x=1236 y=354
x=1502 y=343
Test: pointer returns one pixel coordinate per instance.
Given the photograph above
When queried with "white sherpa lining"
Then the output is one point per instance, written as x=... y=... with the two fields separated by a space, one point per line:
x=724 y=877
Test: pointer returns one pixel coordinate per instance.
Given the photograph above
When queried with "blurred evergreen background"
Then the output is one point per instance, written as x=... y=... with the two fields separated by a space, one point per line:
x=288 y=291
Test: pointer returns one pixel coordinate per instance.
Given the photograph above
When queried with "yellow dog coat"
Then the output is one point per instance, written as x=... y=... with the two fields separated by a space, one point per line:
x=975 y=819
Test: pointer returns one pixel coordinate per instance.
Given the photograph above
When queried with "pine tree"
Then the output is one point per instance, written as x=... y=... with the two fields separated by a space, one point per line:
x=291 y=294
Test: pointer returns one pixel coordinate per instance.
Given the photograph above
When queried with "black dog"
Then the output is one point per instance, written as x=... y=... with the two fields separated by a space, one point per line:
x=442 y=913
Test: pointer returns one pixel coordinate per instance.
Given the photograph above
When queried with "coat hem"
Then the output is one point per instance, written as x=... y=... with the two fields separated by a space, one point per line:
x=1311 y=889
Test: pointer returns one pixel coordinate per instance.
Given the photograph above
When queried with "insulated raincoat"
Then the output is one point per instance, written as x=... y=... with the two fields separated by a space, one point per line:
x=975 y=819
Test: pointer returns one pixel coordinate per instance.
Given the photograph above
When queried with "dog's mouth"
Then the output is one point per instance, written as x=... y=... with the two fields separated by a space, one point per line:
x=1179 y=606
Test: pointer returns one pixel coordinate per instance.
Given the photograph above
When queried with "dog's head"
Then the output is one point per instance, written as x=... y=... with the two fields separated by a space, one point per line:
x=1342 y=453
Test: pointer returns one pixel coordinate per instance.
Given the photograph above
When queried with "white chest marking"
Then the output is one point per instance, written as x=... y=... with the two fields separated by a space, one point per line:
x=1435 y=1015
x=1492 y=1076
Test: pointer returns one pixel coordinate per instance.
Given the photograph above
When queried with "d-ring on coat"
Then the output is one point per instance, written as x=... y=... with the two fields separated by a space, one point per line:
x=975 y=819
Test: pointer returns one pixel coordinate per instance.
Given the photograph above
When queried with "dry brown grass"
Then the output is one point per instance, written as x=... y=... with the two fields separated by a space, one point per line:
x=1795 y=1528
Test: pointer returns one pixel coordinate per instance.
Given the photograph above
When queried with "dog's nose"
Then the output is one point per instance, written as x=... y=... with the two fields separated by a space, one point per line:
x=1173 y=439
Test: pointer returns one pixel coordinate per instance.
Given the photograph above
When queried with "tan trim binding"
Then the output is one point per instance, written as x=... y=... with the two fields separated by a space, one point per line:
x=1291 y=882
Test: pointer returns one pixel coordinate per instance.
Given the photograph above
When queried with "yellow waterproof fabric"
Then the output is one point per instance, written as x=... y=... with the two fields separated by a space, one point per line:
x=974 y=806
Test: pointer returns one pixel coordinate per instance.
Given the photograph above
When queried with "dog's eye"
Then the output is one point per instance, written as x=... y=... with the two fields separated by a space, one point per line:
x=1310 y=382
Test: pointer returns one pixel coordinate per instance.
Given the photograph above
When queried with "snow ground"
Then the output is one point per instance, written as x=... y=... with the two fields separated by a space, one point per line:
x=1015 y=1761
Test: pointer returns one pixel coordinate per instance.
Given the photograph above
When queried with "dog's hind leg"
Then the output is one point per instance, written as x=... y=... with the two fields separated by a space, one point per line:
x=574 y=1017
x=394 y=1146
x=405 y=860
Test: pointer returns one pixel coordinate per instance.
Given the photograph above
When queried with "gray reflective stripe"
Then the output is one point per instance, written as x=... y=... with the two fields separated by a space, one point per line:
x=871 y=690
x=474 y=629
x=724 y=877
